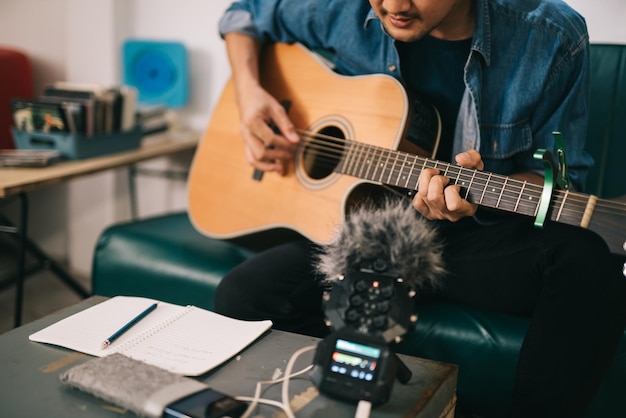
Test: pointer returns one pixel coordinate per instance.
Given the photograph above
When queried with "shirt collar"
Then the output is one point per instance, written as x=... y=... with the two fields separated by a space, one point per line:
x=482 y=32
x=370 y=16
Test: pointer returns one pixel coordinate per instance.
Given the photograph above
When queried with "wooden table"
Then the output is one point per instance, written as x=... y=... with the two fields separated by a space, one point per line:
x=31 y=388
x=22 y=180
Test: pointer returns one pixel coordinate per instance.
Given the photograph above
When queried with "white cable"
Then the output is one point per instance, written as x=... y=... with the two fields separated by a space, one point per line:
x=363 y=409
x=271 y=402
x=285 y=388
x=288 y=375
x=257 y=394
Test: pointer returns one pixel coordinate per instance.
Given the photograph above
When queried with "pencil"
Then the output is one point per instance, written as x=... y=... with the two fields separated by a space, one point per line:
x=128 y=326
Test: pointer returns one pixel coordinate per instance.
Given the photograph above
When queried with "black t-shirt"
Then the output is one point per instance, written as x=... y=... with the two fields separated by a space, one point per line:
x=433 y=70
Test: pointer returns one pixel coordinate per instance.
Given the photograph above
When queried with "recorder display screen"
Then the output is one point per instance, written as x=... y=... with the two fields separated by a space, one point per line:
x=355 y=360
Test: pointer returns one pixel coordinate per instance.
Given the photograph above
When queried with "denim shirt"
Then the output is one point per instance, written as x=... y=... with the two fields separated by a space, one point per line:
x=526 y=76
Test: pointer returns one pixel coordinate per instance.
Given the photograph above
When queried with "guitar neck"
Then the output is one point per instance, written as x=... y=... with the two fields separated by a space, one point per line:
x=401 y=169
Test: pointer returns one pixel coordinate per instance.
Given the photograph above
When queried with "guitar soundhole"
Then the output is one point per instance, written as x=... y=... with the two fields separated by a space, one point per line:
x=323 y=151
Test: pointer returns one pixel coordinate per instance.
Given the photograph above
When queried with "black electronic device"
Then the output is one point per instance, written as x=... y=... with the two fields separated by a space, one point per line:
x=207 y=403
x=380 y=258
x=353 y=366
x=368 y=309
x=371 y=301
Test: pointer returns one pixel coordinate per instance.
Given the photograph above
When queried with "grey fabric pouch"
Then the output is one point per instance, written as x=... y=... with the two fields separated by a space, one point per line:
x=139 y=387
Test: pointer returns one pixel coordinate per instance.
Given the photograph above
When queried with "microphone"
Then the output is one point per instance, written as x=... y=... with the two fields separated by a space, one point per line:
x=378 y=260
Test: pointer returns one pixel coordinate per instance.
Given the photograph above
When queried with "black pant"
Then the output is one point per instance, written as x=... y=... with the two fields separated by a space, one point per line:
x=563 y=278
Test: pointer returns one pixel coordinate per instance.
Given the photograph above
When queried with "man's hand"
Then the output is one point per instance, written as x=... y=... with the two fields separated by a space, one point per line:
x=266 y=150
x=436 y=198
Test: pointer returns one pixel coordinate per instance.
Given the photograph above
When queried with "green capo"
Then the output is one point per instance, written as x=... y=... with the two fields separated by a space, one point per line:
x=562 y=180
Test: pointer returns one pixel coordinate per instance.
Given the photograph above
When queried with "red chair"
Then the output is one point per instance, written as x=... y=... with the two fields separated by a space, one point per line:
x=16 y=80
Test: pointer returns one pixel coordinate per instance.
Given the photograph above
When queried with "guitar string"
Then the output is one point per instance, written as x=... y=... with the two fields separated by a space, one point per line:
x=577 y=202
x=462 y=173
x=341 y=150
x=502 y=198
x=455 y=169
x=574 y=213
x=340 y=147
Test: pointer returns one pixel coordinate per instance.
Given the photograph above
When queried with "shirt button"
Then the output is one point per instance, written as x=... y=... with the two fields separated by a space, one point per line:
x=392 y=67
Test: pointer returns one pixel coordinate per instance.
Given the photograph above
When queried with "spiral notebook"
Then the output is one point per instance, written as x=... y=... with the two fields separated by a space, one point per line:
x=186 y=340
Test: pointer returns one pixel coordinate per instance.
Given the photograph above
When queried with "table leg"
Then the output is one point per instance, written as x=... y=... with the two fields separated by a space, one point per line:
x=21 y=261
x=20 y=232
x=132 y=191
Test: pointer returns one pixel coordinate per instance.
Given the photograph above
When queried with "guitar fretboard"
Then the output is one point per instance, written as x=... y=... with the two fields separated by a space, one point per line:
x=401 y=169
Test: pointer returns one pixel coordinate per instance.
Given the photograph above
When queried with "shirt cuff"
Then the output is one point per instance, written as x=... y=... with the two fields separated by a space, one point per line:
x=239 y=21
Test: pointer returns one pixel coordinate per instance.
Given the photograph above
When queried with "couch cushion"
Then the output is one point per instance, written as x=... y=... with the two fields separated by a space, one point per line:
x=485 y=345
x=164 y=258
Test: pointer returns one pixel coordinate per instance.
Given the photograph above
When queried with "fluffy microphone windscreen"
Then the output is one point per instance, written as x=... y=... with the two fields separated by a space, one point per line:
x=393 y=233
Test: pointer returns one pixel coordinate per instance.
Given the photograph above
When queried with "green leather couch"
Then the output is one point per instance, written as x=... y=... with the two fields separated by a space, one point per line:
x=166 y=258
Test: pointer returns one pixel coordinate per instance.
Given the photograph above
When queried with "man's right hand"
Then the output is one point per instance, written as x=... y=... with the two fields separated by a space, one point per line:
x=265 y=149
x=259 y=111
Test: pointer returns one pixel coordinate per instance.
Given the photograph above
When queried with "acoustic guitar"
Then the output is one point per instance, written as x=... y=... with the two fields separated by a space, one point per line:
x=352 y=130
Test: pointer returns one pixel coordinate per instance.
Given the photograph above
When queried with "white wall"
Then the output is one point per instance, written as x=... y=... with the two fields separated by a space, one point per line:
x=605 y=19
x=80 y=40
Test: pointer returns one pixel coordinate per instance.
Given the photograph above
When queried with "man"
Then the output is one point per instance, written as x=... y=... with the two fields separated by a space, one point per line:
x=504 y=74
